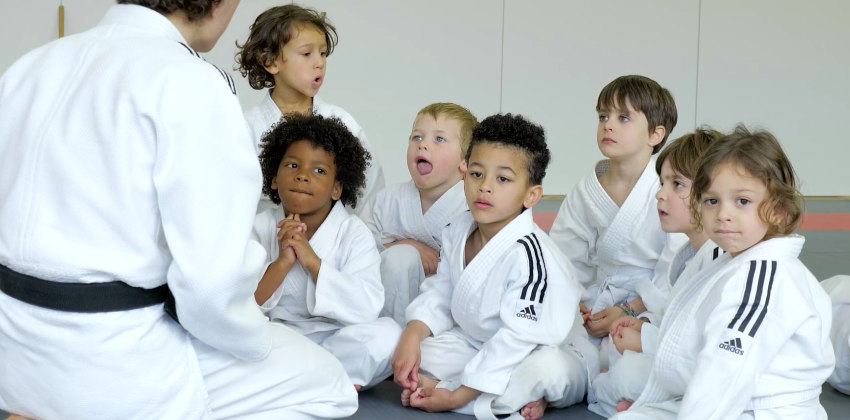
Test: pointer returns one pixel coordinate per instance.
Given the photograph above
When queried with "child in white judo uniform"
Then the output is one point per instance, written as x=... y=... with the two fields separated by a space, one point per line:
x=502 y=292
x=323 y=278
x=748 y=336
x=608 y=224
x=634 y=339
x=141 y=177
x=286 y=52
x=407 y=218
x=838 y=288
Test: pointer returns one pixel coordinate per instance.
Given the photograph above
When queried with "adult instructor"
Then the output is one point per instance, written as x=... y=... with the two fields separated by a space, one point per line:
x=125 y=166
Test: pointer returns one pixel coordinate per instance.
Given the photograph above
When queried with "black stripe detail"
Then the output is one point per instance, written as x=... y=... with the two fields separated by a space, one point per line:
x=191 y=51
x=532 y=310
x=746 y=295
x=738 y=342
x=530 y=268
x=716 y=253
x=757 y=301
x=545 y=272
x=537 y=257
x=766 y=300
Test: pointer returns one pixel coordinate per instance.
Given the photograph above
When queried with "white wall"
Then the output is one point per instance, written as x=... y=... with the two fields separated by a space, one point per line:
x=782 y=65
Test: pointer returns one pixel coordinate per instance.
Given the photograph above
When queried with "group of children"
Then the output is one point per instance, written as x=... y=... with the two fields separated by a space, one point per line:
x=667 y=287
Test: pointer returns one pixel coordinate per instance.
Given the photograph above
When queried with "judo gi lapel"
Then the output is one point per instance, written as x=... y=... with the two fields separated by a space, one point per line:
x=411 y=217
x=269 y=110
x=492 y=252
x=324 y=241
x=442 y=212
x=629 y=217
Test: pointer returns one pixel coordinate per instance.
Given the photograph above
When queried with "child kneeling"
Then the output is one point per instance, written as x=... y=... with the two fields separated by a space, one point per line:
x=325 y=281
x=502 y=294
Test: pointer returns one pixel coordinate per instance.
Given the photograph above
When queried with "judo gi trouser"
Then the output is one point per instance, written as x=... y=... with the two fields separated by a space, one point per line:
x=140 y=364
x=549 y=372
x=402 y=275
x=624 y=380
x=669 y=410
x=365 y=350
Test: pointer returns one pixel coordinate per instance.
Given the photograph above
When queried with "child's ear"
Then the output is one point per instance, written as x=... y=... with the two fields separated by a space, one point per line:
x=532 y=196
x=336 y=191
x=270 y=64
x=274 y=183
x=462 y=166
x=657 y=135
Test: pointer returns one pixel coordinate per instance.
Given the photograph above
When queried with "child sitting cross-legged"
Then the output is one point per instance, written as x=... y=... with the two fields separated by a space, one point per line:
x=323 y=278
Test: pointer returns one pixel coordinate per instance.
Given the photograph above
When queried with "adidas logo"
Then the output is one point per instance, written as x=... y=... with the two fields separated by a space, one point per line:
x=527 y=313
x=732 y=345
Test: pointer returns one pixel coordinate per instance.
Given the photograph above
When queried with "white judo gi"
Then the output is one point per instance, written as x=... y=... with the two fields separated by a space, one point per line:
x=266 y=114
x=619 y=253
x=395 y=214
x=747 y=337
x=626 y=378
x=125 y=156
x=838 y=288
x=515 y=302
x=339 y=310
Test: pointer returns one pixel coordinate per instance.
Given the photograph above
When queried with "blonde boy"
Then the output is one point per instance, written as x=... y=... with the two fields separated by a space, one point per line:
x=407 y=218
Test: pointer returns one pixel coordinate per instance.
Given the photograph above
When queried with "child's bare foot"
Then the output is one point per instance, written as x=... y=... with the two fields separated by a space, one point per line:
x=534 y=410
x=405 y=397
x=424 y=382
x=623 y=405
x=358 y=387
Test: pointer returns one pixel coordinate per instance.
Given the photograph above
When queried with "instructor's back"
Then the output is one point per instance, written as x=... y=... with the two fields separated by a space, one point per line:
x=127 y=176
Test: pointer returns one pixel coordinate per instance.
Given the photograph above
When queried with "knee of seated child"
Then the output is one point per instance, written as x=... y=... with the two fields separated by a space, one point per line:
x=401 y=255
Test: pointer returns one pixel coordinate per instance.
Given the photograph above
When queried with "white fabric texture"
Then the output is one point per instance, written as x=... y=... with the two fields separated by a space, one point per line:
x=619 y=253
x=395 y=214
x=759 y=325
x=516 y=295
x=111 y=154
x=339 y=310
x=264 y=115
x=838 y=288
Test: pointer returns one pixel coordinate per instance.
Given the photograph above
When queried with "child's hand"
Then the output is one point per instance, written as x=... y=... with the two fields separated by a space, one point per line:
x=601 y=321
x=627 y=339
x=286 y=229
x=297 y=240
x=625 y=322
x=406 y=362
x=585 y=313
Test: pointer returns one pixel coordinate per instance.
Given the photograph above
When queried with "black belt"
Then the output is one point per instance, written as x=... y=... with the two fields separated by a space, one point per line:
x=80 y=297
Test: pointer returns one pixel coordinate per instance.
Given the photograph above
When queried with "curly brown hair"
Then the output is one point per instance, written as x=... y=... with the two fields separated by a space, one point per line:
x=269 y=33
x=350 y=157
x=194 y=9
x=761 y=156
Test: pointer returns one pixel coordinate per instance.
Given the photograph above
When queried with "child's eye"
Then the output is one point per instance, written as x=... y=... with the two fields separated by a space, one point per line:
x=306 y=54
x=291 y=165
x=677 y=185
x=603 y=118
x=319 y=171
x=474 y=174
x=440 y=139
x=503 y=179
x=624 y=118
x=416 y=138
x=710 y=201
x=324 y=53
x=743 y=201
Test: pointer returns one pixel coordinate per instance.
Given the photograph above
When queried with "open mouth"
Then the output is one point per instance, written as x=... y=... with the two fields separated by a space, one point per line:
x=423 y=166
x=317 y=81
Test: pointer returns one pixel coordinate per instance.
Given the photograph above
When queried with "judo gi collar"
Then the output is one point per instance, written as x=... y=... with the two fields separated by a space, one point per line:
x=272 y=113
x=325 y=235
x=145 y=19
x=784 y=247
x=500 y=243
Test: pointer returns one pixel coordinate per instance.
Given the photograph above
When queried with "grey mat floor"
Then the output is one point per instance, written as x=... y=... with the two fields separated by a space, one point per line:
x=382 y=403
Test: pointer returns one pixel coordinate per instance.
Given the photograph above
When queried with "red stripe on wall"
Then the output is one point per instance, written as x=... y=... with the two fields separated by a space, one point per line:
x=811 y=221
